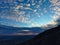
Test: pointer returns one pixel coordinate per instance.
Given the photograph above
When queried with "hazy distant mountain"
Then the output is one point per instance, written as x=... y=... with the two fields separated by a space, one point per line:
x=9 y=29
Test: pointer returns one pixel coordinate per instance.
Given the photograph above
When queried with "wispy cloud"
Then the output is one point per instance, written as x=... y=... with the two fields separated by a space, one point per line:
x=53 y=1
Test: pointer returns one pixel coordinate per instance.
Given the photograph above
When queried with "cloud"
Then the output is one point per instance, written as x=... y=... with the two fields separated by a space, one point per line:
x=18 y=13
x=20 y=6
x=35 y=24
x=35 y=10
x=21 y=0
x=45 y=11
x=55 y=22
x=33 y=4
x=26 y=30
x=28 y=5
x=50 y=25
x=27 y=8
x=56 y=17
x=53 y=1
x=56 y=10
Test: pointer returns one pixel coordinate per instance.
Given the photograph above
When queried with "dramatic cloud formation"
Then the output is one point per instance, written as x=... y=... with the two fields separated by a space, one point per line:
x=44 y=14
x=34 y=13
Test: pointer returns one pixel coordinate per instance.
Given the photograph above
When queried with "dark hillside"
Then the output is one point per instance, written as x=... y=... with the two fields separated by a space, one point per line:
x=49 y=37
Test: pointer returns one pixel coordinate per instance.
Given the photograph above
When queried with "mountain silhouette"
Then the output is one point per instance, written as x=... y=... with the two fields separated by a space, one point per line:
x=7 y=36
x=9 y=29
x=49 y=37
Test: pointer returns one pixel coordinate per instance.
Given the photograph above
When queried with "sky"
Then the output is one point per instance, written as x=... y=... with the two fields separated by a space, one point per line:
x=29 y=13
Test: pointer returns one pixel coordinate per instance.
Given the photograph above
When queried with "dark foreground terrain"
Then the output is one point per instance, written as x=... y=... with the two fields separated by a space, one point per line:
x=13 y=40
x=49 y=37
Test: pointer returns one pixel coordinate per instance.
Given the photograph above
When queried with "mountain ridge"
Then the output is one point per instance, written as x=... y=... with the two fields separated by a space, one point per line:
x=49 y=37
